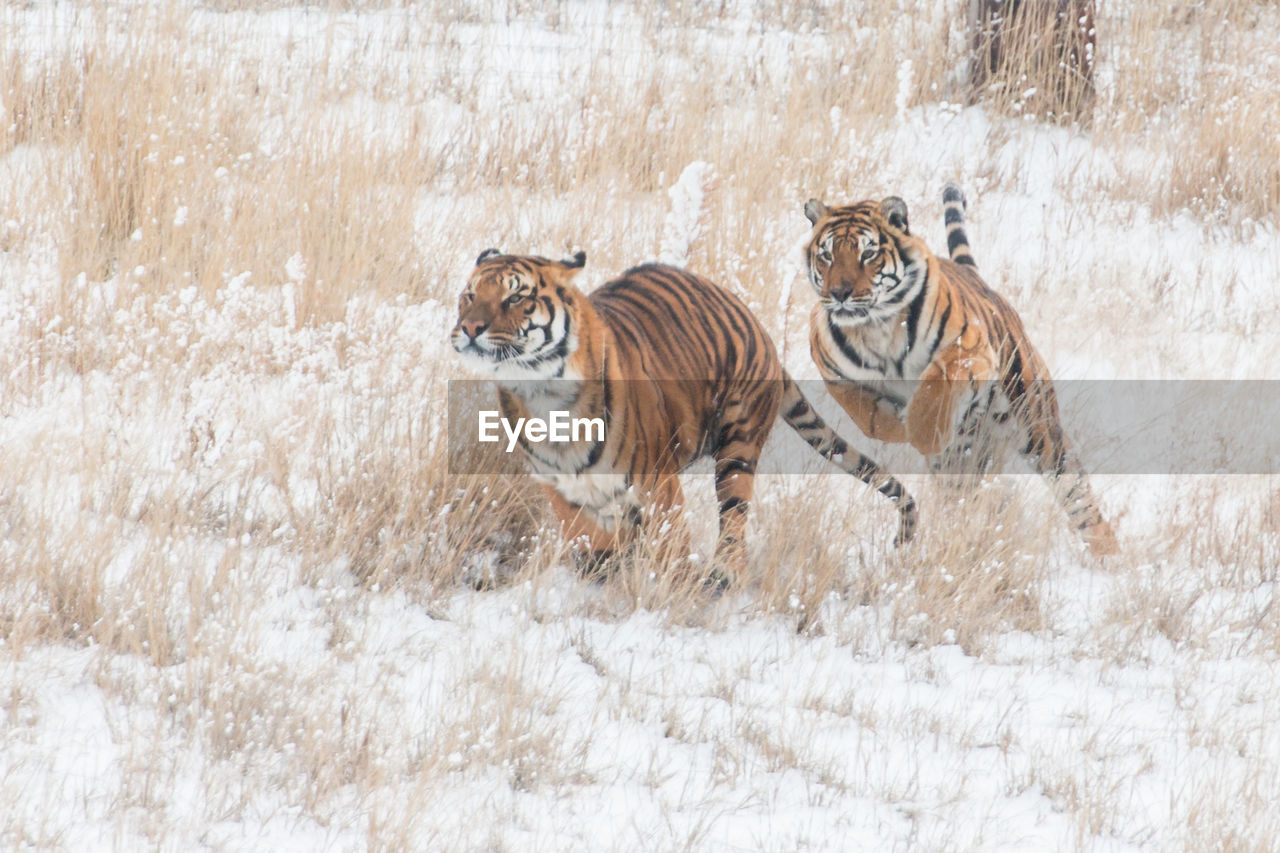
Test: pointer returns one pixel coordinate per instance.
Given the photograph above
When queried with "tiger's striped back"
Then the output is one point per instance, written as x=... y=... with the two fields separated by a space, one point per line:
x=671 y=324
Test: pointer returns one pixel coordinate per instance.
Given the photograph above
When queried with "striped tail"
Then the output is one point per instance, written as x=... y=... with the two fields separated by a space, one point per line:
x=802 y=417
x=953 y=205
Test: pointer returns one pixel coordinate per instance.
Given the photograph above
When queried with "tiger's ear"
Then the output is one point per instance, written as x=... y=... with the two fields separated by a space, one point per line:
x=894 y=209
x=486 y=255
x=815 y=210
x=567 y=269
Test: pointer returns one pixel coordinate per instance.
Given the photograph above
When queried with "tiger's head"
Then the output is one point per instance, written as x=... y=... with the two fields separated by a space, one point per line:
x=862 y=260
x=514 y=320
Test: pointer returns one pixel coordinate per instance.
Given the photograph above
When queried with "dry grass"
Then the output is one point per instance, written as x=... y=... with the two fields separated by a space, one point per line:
x=1220 y=154
x=234 y=241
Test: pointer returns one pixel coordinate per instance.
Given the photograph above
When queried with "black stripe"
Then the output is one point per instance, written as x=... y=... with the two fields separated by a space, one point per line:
x=797 y=410
x=733 y=433
x=729 y=466
x=913 y=316
x=597 y=448
x=842 y=343
x=942 y=327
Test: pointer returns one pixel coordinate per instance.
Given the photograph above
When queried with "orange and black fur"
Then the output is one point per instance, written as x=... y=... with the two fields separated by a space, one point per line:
x=890 y=310
x=678 y=369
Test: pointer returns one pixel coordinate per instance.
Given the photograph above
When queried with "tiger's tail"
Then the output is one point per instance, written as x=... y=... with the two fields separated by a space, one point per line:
x=953 y=206
x=806 y=421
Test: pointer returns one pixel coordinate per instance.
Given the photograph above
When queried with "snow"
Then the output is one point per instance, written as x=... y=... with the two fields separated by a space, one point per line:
x=245 y=688
x=683 y=227
x=750 y=736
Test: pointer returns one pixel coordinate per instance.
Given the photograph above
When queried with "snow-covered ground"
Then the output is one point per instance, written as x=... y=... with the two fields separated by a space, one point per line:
x=232 y=608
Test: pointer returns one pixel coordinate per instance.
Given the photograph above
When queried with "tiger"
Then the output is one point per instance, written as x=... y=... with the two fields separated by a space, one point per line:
x=890 y=310
x=678 y=369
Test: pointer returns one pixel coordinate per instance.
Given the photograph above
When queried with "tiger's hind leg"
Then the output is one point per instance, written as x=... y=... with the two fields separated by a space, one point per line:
x=1047 y=450
x=735 y=484
x=743 y=430
x=982 y=443
x=963 y=473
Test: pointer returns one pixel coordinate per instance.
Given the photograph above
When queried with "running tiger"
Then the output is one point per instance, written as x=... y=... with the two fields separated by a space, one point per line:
x=890 y=309
x=678 y=369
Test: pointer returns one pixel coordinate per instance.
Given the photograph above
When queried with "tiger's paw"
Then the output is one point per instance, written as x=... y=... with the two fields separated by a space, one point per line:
x=908 y=520
x=1101 y=540
x=716 y=583
x=596 y=566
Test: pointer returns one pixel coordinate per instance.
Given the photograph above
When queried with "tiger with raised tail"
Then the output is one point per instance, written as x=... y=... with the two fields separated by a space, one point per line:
x=677 y=368
x=890 y=310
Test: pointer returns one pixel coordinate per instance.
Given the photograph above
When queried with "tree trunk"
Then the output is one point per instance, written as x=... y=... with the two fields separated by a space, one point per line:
x=1035 y=55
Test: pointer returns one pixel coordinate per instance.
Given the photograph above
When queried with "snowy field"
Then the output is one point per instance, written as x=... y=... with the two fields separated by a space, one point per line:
x=236 y=578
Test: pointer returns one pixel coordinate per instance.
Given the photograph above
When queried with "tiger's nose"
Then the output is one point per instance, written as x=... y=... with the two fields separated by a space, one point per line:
x=842 y=291
x=472 y=328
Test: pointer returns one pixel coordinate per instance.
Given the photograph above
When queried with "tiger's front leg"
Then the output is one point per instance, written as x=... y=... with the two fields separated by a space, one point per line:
x=584 y=534
x=876 y=418
x=1049 y=453
x=946 y=387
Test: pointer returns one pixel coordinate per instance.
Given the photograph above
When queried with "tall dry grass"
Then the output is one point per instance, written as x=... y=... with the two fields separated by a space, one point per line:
x=217 y=232
x=1182 y=90
x=153 y=164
